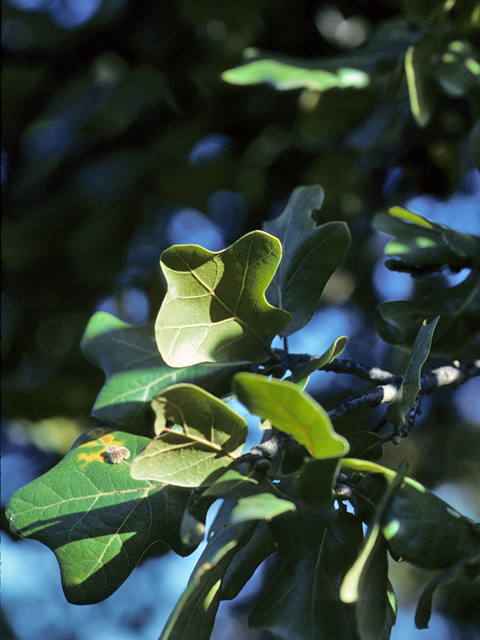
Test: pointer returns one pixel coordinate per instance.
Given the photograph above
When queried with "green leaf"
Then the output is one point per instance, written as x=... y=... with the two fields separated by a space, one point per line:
x=215 y=307
x=206 y=437
x=315 y=481
x=373 y=610
x=458 y=308
x=135 y=373
x=233 y=485
x=365 y=444
x=96 y=519
x=458 y=71
x=470 y=563
x=419 y=527
x=300 y=600
x=302 y=370
x=291 y=411
x=398 y=409
x=419 y=241
x=422 y=88
x=264 y=506
x=288 y=76
x=350 y=589
x=311 y=255
x=260 y=546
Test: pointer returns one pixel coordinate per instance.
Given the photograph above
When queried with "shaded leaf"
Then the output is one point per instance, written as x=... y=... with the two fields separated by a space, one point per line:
x=420 y=527
x=314 y=484
x=397 y=410
x=288 y=76
x=97 y=519
x=350 y=589
x=302 y=370
x=419 y=241
x=300 y=600
x=291 y=411
x=135 y=372
x=373 y=610
x=424 y=606
x=215 y=307
x=260 y=546
x=311 y=255
x=207 y=435
x=474 y=144
x=365 y=444
x=458 y=308
x=233 y=485
x=458 y=70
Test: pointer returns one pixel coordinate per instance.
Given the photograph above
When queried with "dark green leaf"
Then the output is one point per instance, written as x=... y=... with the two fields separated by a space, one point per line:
x=291 y=411
x=419 y=241
x=424 y=607
x=96 y=519
x=366 y=445
x=398 y=409
x=373 y=610
x=215 y=308
x=207 y=435
x=301 y=600
x=135 y=373
x=474 y=143
x=314 y=484
x=302 y=370
x=233 y=485
x=458 y=308
x=260 y=546
x=311 y=255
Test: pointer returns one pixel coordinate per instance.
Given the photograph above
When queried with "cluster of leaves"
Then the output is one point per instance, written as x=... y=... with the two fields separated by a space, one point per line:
x=214 y=333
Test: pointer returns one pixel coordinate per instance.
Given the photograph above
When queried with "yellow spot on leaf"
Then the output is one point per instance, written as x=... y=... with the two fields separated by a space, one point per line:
x=90 y=457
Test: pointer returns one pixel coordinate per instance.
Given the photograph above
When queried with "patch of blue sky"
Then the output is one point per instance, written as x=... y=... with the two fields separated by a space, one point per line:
x=130 y=305
x=189 y=226
x=467 y=401
x=67 y=14
x=391 y=285
x=460 y=212
x=228 y=209
x=208 y=149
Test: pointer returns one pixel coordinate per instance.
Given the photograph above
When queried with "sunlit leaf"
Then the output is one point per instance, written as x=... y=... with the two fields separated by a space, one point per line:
x=458 y=308
x=287 y=76
x=291 y=411
x=207 y=435
x=264 y=506
x=96 y=518
x=135 y=372
x=422 y=89
x=311 y=255
x=302 y=370
x=419 y=241
x=397 y=410
x=215 y=308
x=300 y=600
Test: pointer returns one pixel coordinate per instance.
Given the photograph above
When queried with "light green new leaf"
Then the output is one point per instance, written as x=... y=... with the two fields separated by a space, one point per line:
x=419 y=241
x=207 y=435
x=288 y=76
x=291 y=411
x=302 y=370
x=311 y=255
x=458 y=70
x=300 y=600
x=96 y=519
x=458 y=308
x=215 y=308
x=397 y=410
x=134 y=371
